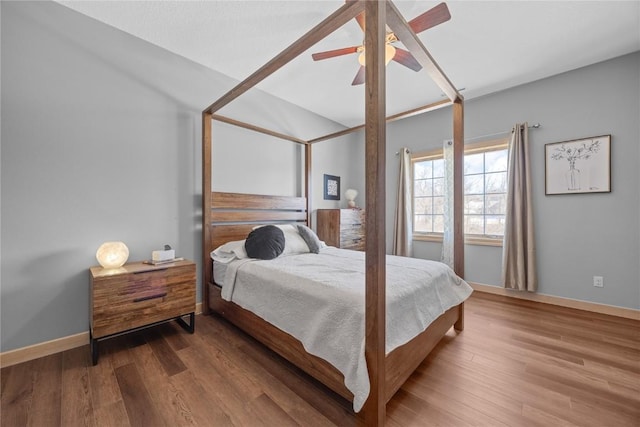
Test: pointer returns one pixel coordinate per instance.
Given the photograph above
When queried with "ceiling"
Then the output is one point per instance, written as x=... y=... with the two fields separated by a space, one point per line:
x=487 y=46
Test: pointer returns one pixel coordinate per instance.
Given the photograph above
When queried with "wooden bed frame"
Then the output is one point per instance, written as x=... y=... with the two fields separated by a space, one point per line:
x=231 y=216
x=234 y=216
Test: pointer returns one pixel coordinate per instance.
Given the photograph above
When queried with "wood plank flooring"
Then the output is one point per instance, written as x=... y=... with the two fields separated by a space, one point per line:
x=517 y=363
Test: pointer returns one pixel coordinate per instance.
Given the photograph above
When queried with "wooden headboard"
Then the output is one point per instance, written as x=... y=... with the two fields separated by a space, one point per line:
x=232 y=216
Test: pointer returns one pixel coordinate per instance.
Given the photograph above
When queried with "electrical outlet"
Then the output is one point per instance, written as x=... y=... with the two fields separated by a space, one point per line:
x=598 y=281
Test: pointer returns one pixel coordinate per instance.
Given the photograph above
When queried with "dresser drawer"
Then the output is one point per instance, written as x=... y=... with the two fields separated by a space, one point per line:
x=126 y=301
x=355 y=244
x=352 y=229
x=351 y=218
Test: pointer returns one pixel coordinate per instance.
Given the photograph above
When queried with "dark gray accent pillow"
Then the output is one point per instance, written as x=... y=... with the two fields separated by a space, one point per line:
x=310 y=238
x=265 y=242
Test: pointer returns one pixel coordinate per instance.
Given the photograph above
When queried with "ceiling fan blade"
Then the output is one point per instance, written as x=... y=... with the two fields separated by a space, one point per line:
x=359 y=79
x=405 y=58
x=431 y=18
x=333 y=53
x=360 y=17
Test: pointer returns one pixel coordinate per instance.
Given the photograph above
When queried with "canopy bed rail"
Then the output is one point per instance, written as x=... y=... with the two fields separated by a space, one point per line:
x=386 y=372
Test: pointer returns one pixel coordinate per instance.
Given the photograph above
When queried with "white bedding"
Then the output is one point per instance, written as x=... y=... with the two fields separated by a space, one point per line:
x=319 y=299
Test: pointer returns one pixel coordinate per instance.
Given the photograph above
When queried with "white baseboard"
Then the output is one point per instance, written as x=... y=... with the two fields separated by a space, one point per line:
x=611 y=310
x=35 y=351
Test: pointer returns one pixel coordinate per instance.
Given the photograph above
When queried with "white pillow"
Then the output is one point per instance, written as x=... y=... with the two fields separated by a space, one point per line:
x=294 y=243
x=229 y=251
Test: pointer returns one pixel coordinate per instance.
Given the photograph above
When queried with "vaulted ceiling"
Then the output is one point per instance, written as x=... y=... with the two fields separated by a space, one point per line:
x=485 y=47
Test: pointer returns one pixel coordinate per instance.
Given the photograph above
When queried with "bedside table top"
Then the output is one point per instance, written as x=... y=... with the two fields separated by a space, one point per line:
x=135 y=267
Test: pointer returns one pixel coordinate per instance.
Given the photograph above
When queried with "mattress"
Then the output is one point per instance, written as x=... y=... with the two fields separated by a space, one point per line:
x=319 y=299
x=219 y=272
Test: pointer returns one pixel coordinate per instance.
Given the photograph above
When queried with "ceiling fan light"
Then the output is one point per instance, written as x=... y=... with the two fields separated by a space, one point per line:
x=389 y=53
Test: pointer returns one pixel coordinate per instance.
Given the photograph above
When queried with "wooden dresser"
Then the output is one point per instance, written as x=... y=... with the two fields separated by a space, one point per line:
x=139 y=295
x=342 y=228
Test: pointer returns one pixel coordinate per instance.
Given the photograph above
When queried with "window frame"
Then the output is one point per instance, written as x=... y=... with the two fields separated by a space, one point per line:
x=435 y=154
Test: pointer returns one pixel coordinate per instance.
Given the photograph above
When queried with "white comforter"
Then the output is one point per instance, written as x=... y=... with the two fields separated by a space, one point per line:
x=319 y=299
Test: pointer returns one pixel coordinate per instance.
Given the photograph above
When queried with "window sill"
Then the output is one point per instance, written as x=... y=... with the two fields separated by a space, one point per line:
x=478 y=241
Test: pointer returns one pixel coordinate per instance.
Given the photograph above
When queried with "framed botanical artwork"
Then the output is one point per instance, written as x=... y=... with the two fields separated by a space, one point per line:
x=578 y=166
x=331 y=187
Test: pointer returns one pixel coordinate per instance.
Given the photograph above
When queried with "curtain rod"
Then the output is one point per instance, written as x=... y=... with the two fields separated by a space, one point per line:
x=534 y=126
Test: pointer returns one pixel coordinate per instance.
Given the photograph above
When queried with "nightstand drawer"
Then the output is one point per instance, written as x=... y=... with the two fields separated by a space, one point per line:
x=140 y=297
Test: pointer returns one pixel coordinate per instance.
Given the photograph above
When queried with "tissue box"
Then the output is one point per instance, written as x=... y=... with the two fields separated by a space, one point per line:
x=163 y=255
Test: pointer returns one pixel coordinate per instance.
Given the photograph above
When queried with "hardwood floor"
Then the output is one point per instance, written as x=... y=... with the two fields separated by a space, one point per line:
x=517 y=363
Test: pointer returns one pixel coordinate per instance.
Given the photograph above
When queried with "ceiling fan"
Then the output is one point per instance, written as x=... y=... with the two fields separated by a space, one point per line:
x=429 y=19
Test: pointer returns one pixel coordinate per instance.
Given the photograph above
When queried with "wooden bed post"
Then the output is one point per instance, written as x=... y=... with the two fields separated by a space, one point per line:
x=375 y=159
x=458 y=198
x=307 y=181
x=386 y=373
x=207 y=264
x=458 y=188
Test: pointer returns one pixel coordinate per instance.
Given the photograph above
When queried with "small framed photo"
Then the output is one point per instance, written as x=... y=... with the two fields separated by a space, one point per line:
x=578 y=166
x=331 y=187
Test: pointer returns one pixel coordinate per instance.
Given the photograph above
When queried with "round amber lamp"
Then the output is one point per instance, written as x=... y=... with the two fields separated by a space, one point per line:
x=112 y=254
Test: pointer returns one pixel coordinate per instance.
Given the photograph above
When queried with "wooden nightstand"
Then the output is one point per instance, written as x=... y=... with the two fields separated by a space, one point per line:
x=138 y=296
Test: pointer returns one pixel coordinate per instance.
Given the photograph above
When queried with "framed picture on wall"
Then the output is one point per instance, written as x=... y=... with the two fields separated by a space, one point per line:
x=331 y=187
x=578 y=166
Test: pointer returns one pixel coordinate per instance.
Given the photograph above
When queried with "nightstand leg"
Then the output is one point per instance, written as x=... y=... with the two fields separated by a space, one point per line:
x=189 y=327
x=94 y=349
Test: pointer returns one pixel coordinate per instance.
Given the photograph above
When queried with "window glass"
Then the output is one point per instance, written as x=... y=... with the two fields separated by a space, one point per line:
x=485 y=191
x=428 y=196
x=473 y=163
x=496 y=161
x=474 y=184
x=496 y=182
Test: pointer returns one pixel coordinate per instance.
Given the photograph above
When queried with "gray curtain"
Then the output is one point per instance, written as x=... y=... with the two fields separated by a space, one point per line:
x=518 y=249
x=402 y=224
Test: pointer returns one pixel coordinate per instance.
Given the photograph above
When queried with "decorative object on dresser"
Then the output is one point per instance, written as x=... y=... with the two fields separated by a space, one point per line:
x=163 y=256
x=139 y=295
x=331 y=187
x=167 y=254
x=342 y=228
x=112 y=254
x=351 y=195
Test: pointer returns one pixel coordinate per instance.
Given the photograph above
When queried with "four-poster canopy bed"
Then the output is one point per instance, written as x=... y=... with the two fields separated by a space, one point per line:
x=231 y=217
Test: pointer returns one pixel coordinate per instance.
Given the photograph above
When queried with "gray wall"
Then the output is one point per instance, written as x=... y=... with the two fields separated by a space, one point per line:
x=342 y=157
x=578 y=236
x=101 y=137
x=339 y=157
x=101 y=140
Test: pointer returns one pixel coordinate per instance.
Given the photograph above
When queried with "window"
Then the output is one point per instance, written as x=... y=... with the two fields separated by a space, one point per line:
x=485 y=193
x=428 y=195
